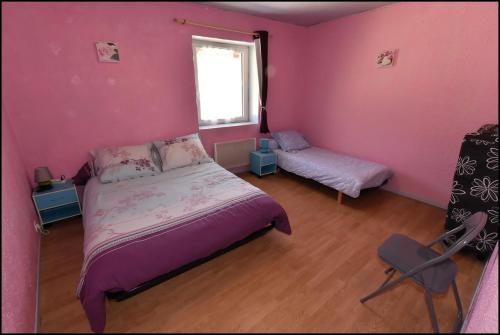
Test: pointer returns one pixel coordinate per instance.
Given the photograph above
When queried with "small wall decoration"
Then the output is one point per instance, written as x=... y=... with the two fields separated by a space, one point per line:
x=107 y=52
x=386 y=58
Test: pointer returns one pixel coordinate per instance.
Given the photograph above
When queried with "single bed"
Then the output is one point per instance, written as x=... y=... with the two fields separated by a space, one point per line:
x=139 y=229
x=346 y=174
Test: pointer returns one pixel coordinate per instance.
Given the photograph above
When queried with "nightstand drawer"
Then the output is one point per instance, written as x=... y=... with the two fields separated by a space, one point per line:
x=263 y=163
x=268 y=159
x=59 y=213
x=56 y=199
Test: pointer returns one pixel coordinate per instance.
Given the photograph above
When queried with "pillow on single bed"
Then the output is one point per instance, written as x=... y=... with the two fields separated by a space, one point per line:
x=290 y=140
x=113 y=164
x=273 y=144
x=182 y=151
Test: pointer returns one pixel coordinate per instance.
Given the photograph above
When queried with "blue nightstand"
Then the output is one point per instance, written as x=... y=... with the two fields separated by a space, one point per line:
x=262 y=164
x=59 y=202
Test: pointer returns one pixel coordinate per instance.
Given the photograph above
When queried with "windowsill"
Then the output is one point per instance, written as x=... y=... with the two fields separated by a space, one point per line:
x=226 y=125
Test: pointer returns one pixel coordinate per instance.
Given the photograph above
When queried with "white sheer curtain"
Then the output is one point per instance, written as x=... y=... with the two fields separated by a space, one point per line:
x=220 y=84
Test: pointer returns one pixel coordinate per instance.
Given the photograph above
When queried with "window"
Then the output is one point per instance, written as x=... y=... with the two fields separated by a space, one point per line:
x=224 y=78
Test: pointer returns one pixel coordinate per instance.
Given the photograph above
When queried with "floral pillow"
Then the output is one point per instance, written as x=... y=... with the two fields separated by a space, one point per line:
x=121 y=163
x=290 y=140
x=155 y=155
x=161 y=143
x=182 y=151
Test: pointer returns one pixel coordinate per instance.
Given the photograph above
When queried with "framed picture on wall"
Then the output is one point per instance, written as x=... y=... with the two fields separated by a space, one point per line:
x=386 y=58
x=107 y=52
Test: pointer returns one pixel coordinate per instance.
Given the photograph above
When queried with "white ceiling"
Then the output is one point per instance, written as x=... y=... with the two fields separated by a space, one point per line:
x=300 y=13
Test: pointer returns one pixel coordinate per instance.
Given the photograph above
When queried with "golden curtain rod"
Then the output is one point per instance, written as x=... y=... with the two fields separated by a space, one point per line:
x=199 y=24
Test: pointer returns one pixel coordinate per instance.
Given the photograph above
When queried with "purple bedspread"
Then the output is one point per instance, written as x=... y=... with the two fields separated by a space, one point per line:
x=190 y=214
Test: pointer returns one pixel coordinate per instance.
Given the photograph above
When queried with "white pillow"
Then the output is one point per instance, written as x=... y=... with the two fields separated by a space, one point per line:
x=183 y=151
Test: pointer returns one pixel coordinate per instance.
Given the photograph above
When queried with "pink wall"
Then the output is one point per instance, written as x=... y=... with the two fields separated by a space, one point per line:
x=61 y=102
x=411 y=117
x=19 y=240
x=64 y=102
x=323 y=80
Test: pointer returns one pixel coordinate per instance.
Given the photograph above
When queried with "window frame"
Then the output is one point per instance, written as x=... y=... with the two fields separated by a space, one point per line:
x=242 y=47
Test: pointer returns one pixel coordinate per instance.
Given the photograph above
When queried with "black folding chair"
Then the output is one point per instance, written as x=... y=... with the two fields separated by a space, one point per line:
x=433 y=271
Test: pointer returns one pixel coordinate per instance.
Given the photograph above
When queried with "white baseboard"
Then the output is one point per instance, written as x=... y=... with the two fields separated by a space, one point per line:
x=414 y=197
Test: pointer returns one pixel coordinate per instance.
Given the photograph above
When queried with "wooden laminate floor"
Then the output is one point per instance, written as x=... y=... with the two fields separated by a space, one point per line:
x=310 y=281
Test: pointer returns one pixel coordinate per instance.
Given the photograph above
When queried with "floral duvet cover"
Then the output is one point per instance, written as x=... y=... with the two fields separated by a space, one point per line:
x=138 y=229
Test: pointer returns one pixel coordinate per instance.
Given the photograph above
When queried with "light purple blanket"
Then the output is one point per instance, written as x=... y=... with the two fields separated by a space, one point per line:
x=138 y=229
x=343 y=173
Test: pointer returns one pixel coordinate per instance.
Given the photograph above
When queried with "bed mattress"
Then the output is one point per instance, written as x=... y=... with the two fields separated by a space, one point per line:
x=343 y=173
x=136 y=230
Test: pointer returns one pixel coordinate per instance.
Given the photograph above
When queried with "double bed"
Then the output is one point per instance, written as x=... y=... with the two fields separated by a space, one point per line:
x=346 y=174
x=140 y=229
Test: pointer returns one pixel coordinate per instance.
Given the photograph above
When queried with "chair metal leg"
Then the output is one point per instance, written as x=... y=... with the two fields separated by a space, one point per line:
x=430 y=309
x=383 y=287
x=390 y=272
x=458 y=322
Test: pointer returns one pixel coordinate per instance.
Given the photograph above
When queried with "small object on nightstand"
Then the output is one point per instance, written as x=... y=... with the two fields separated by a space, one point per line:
x=263 y=163
x=43 y=178
x=59 y=202
x=264 y=145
